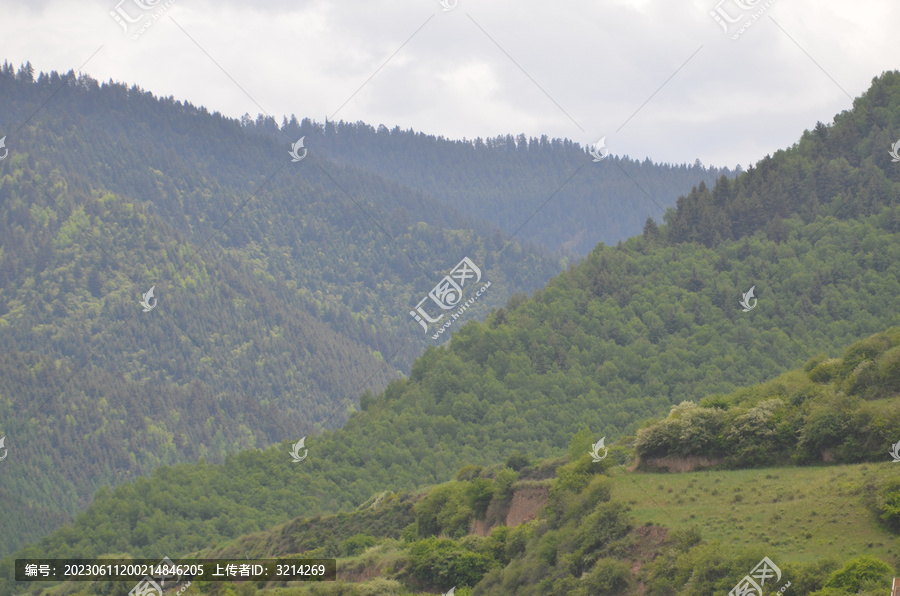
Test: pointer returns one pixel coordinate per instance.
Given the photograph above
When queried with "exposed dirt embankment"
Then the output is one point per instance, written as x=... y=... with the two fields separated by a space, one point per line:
x=524 y=507
x=525 y=504
x=677 y=464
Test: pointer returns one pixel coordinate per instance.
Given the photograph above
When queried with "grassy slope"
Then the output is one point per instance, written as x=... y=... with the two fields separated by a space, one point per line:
x=799 y=514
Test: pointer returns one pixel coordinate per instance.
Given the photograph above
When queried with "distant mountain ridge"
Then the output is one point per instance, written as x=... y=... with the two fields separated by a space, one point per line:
x=506 y=178
x=284 y=289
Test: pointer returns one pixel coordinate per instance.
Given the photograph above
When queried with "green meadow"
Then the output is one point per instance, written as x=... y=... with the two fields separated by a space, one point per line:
x=801 y=514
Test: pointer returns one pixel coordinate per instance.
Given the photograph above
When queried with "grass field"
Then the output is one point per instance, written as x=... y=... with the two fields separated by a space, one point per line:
x=798 y=514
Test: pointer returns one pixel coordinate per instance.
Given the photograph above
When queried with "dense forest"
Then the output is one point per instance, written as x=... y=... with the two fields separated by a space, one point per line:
x=279 y=300
x=284 y=289
x=584 y=539
x=619 y=338
x=837 y=410
x=508 y=176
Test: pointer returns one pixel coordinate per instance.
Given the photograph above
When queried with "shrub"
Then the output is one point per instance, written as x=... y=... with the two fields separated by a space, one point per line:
x=467 y=473
x=506 y=478
x=888 y=503
x=610 y=521
x=857 y=572
x=356 y=544
x=479 y=495
x=826 y=371
x=607 y=578
x=442 y=562
x=445 y=510
x=516 y=461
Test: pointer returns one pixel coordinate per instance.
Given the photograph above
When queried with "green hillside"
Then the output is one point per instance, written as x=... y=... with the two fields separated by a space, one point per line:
x=506 y=177
x=279 y=300
x=836 y=410
x=617 y=339
x=284 y=288
x=600 y=530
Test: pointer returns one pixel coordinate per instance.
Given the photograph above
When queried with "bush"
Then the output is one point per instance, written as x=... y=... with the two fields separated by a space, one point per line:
x=356 y=544
x=479 y=495
x=442 y=563
x=467 y=473
x=826 y=371
x=516 y=461
x=445 y=510
x=858 y=572
x=607 y=578
x=888 y=503
x=506 y=478
x=410 y=532
x=610 y=521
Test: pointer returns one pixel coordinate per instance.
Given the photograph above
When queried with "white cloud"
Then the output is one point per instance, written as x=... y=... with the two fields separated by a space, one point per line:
x=733 y=102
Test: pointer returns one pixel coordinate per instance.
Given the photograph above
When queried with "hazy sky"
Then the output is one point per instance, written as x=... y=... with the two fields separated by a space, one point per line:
x=658 y=78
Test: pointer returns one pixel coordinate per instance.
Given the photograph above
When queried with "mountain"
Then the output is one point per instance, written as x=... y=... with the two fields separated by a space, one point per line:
x=841 y=410
x=573 y=525
x=623 y=336
x=282 y=290
x=503 y=179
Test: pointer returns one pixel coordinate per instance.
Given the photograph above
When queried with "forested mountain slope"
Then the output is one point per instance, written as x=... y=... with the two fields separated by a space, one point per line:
x=622 y=336
x=844 y=169
x=499 y=179
x=842 y=410
x=571 y=525
x=282 y=289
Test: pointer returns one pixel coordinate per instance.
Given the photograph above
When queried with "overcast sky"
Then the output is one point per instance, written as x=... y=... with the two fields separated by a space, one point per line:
x=658 y=78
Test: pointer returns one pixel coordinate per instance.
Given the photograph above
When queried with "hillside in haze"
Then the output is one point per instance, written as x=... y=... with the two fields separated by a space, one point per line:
x=281 y=294
x=499 y=179
x=284 y=289
x=616 y=339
